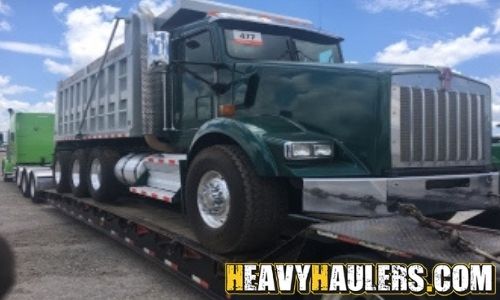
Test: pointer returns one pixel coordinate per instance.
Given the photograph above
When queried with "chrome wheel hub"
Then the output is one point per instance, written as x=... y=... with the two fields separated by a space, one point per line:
x=57 y=172
x=95 y=174
x=75 y=173
x=213 y=199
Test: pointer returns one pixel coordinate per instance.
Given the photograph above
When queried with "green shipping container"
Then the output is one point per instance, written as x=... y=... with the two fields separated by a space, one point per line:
x=31 y=140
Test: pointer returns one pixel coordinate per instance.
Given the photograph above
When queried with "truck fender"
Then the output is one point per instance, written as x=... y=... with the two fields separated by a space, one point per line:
x=223 y=130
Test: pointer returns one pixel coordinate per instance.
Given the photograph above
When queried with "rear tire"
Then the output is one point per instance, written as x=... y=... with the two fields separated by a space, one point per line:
x=25 y=187
x=62 y=171
x=79 y=174
x=102 y=183
x=33 y=193
x=18 y=178
x=230 y=207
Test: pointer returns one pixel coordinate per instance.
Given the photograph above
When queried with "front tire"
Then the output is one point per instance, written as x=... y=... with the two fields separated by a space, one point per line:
x=230 y=207
x=79 y=174
x=102 y=183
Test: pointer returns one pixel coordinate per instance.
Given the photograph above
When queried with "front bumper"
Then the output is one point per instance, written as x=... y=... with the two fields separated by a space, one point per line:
x=378 y=196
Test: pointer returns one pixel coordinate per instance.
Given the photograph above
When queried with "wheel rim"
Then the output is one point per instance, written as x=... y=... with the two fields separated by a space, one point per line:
x=57 y=172
x=95 y=174
x=75 y=173
x=213 y=199
x=32 y=188
x=18 y=178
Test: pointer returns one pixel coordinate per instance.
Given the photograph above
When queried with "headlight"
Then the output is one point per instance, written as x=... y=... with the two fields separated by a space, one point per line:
x=307 y=150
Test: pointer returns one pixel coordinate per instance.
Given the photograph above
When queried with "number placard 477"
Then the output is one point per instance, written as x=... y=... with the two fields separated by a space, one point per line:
x=248 y=38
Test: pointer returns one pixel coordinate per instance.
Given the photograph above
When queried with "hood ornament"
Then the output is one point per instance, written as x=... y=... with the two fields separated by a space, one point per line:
x=446 y=76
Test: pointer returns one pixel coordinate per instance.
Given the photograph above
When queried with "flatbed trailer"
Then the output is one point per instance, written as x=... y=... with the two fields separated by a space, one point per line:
x=161 y=234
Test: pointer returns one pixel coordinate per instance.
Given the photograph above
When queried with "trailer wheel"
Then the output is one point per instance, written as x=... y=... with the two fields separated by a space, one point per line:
x=25 y=185
x=103 y=185
x=62 y=171
x=231 y=208
x=79 y=174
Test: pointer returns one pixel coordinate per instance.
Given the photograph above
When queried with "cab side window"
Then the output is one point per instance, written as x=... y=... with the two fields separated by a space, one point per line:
x=198 y=48
x=195 y=54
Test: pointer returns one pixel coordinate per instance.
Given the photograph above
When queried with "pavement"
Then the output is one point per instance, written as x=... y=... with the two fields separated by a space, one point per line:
x=60 y=258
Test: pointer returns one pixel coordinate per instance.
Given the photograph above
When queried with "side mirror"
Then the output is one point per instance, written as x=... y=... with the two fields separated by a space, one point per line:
x=158 y=47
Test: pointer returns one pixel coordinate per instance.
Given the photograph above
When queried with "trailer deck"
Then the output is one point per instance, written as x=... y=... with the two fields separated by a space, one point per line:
x=161 y=233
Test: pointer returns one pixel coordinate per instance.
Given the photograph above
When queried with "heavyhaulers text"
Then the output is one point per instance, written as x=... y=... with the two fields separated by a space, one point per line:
x=443 y=279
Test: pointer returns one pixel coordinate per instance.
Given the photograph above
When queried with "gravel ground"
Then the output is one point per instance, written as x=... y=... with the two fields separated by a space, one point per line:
x=59 y=258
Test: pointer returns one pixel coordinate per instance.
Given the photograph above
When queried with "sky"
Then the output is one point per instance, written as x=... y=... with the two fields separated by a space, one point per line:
x=42 y=42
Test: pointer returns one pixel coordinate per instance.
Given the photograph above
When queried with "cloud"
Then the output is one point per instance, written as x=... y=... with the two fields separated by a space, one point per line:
x=87 y=33
x=19 y=47
x=6 y=88
x=58 y=68
x=4 y=8
x=494 y=82
x=9 y=90
x=60 y=7
x=496 y=23
x=5 y=26
x=442 y=53
x=430 y=8
x=88 y=29
x=49 y=95
x=156 y=6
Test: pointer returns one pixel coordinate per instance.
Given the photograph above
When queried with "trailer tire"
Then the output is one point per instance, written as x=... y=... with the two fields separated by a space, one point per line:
x=25 y=188
x=79 y=181
x=255 y=207
x=62 y=171
x=102 y=183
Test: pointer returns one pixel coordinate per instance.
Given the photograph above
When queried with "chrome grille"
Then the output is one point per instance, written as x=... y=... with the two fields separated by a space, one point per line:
x=433 y=128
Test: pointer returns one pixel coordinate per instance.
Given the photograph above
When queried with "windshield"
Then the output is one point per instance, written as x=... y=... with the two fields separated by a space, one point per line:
x=264 y=42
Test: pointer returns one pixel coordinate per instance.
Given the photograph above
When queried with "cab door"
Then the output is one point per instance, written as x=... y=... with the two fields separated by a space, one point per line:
x=194 y=98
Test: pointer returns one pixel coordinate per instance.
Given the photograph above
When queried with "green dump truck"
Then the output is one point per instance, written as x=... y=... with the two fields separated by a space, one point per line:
x=243 y=117
x=30 y=147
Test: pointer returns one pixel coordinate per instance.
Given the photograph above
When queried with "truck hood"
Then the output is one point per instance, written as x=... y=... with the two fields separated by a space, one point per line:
x=376 y=68
x=348 y=104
